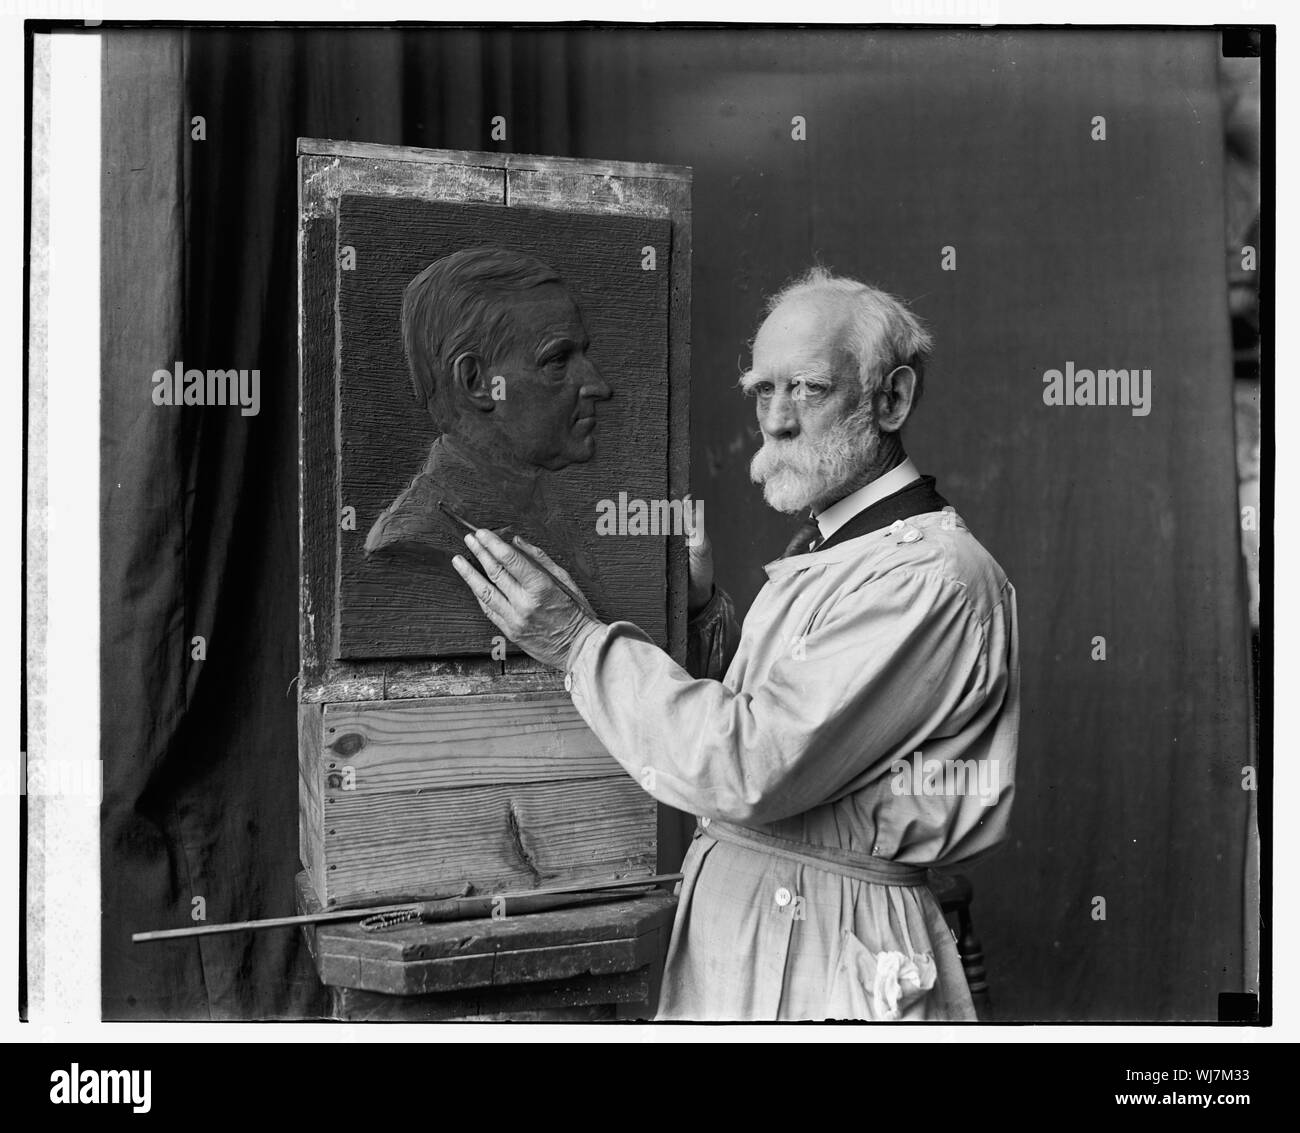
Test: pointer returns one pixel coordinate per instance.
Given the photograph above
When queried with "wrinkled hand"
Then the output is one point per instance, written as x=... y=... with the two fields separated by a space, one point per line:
x=527 y=596
x=699 y=567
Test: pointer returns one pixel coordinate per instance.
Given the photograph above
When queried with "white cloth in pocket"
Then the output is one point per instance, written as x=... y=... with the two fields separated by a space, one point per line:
x=879 y=986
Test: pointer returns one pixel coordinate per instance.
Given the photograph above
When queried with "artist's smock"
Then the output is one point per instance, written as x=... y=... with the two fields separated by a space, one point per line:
x=872 y=706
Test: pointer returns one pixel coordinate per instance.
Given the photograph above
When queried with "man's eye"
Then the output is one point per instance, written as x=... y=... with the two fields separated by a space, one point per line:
x=557 y=363
x=807 y=391
x=759 y=389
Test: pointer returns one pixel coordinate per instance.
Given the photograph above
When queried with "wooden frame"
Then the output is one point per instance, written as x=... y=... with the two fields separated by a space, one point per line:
x=327 y=170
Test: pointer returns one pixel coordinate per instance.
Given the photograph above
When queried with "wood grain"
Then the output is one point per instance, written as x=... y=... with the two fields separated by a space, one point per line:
x=424 y=977
x=627 y=995
x=371 y=155
x=611 y=921
x=461 y=741
x=370 y=681
x=324 y=178
x=318 y=492
x=311 y=828
x=496 y=836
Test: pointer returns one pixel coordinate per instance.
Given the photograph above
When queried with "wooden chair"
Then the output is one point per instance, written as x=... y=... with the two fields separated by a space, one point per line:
x=954 y=893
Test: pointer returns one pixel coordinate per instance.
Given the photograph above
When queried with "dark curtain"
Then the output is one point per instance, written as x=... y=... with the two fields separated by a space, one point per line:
x=1105 y=253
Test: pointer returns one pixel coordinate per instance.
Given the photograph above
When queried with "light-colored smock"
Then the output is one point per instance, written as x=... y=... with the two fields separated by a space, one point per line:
x=871 y=706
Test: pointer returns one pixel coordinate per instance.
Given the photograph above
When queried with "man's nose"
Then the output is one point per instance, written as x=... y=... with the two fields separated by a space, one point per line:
x=594 y=385
x=780 y=418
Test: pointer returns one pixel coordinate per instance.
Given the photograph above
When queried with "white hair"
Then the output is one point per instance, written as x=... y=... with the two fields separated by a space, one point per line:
x=883 y=334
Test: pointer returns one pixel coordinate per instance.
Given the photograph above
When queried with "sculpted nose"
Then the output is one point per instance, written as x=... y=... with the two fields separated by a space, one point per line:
x=594 y=385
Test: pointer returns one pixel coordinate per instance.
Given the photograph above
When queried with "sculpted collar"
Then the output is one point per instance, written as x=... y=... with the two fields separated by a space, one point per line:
x=507 y=482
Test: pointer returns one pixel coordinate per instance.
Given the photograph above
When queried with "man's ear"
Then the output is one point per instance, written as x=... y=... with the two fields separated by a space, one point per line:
x=895 y=398
x=471 y=382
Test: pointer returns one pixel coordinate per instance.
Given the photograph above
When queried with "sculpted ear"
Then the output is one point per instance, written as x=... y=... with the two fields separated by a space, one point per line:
x=471 y=382
x=895 y=398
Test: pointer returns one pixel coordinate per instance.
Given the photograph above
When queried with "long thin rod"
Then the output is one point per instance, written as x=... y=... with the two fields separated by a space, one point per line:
x=360 y=914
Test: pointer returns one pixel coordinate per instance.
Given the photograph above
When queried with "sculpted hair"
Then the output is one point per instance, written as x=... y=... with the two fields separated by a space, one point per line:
x=461 y=303
x=883 y=334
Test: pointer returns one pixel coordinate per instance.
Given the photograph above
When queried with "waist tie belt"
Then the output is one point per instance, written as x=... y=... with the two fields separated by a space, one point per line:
x=848 y=863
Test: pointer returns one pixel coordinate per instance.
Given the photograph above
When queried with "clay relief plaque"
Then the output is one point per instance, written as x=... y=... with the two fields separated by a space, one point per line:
x=502 y=367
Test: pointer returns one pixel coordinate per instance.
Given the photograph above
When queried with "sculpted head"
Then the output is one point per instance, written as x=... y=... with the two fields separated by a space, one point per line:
x=497 y=350
x=837 y=369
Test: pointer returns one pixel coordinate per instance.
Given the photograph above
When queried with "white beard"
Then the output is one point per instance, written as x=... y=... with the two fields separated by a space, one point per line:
x=796 y=474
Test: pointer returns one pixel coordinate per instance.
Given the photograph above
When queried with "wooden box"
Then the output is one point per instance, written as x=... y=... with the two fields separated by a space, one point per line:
x=430 y=756
x=598 y=962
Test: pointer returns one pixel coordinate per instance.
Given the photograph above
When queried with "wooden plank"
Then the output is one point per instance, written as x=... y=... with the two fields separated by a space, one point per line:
x=679 y=406
x=623 y=935
x=594 y=943
x=339 y=682
x=316 y=469
x=503 y=967
x=323 y=179
x=410 y=682
x=375 y=153
x=597 y=959
x=422 y=977
x=461 y=741
x=499 y=836
x=311 y=824
x=570 y=188
x=627 y=919
x=581 y=998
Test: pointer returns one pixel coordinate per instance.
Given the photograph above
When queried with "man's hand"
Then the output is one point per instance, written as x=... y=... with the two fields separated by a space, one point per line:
x=530 y=598
x=699 y=565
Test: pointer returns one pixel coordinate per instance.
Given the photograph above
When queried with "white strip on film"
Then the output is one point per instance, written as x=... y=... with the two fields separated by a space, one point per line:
x=63 y=767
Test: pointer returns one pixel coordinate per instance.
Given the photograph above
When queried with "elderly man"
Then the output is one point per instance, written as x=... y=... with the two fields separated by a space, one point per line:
x=865 y=728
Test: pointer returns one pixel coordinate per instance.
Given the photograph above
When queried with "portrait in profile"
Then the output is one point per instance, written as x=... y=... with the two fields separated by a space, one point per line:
x=507 y=366
x=498 y=357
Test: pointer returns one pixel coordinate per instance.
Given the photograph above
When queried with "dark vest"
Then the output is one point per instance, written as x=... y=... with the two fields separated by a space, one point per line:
x=915 y=498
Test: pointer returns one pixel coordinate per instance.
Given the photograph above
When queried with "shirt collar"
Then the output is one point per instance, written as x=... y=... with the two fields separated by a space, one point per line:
x=839 y=513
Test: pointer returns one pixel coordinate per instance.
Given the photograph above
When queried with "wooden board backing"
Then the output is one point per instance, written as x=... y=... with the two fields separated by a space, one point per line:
x=500 y=792
x=462 y=741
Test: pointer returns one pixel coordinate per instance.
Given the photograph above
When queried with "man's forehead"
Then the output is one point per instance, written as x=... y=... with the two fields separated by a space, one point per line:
x=808 y=328
x=548 y=306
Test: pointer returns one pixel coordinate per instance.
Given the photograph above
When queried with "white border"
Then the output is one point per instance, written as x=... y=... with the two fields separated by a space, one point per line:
x=80 y=637
x=63 y=845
